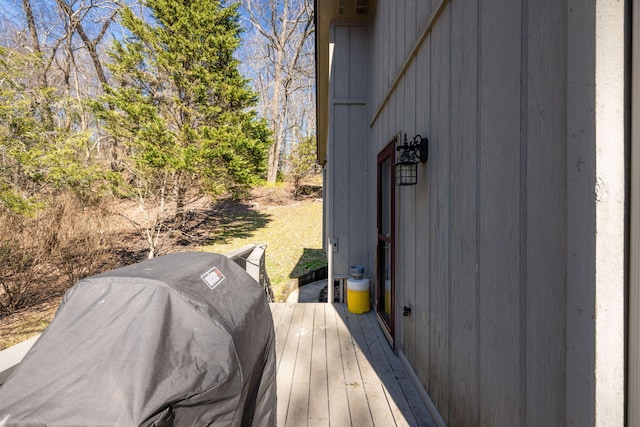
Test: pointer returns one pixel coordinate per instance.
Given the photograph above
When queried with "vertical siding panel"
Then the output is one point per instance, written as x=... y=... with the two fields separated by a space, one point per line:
x=409 y=25
x=375 y=138
x=397 y=117
x=392 y=129
x=358 y=196
x=546 y=213
x=500 y=368
x=408 y=195
x=359 y=147
x=440 y=185
x=341 y=186
x=383 y=123
x=390 y=44
x=422 y=12
x=376 y=56
x=463 y=128
x=400 y=34
x=359 y=60
x=581 y=337
x=380 y=64
x=423 y=307
x=387 y=129
x=350 y=145
x=341 y=62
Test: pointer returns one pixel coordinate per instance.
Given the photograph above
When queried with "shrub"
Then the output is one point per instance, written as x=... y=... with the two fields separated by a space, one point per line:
x=23 y=258
x=83 y=239
x=42 y=257
x=303 y=162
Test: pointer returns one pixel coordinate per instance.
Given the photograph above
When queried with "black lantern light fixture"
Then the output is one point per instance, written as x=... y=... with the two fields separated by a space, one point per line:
x=414 y=151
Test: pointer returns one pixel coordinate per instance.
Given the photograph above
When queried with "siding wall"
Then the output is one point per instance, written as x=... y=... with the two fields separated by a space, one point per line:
x=496 y=244
x=349 y=149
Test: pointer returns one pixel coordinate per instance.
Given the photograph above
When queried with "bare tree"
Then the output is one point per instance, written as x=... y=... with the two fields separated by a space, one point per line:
x=83 y=25
x=280 y=49
x=68 y=37
x=40 y=70
x=74 y=13
x=50 y=24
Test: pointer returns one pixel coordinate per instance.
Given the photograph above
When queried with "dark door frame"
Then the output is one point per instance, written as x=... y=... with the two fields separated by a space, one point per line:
x=388 y=325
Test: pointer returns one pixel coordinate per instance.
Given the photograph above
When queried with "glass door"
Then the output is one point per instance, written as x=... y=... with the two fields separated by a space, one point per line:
x=385 y=288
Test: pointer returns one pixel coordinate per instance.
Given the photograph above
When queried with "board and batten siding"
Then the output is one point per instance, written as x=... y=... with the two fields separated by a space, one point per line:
x=499 y=244
x=348 y=172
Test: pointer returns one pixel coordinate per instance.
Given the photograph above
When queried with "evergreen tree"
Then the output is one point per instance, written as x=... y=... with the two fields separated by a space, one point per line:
x=302 y=161
x=179 y=104
x=38 y=157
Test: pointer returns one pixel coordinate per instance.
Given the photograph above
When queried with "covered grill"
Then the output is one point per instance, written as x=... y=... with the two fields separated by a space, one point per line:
x=183 y=339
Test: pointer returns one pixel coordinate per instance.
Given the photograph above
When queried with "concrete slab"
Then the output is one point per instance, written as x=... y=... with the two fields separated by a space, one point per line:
x=10 y=357
x=307 y=293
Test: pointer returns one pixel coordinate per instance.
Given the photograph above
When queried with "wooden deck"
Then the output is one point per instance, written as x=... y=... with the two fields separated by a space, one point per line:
x=335 y=369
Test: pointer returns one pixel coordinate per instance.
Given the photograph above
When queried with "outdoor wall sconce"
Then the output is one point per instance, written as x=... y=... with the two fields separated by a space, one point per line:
x=414 y=151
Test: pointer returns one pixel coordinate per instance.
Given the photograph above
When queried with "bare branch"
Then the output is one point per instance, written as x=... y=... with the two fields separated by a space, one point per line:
x=280 y=31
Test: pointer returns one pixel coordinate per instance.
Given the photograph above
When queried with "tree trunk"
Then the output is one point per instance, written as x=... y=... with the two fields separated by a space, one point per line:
x=277 y=114
x=180 y=191
x=42 y=75
x=274 y=157
x=90 y=45
x=282 y=27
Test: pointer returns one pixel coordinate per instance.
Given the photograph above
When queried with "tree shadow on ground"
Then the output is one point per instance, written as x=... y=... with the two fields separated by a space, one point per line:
x=218 y=222
x=228 y=220
x=224 y=221
x=310 y=260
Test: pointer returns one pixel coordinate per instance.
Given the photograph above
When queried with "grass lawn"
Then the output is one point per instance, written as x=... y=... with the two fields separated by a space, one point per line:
x=292 y=233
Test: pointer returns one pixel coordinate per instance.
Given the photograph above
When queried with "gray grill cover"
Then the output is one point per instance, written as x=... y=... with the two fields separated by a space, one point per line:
x=185 y=339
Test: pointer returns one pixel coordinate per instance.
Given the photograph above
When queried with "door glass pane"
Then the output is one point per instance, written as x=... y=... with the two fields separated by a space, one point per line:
x=385 y=243
x=386 y=297
x=385 y=198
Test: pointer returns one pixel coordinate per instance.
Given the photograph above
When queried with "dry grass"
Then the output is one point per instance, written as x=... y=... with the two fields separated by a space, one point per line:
x=26 y=323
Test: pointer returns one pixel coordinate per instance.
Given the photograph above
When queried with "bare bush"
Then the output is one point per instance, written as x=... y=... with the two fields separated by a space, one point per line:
x=23 y=275
x=84 y=239
x=42 y=257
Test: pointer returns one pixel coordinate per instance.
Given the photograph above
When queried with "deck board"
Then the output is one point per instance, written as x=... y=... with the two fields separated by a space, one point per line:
x=353 y=381
x=287 y=361
x=338 y=404
x=298 y=411
x=401 y=411
x=381 y=414
x=318 y=383
x=335 y=368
